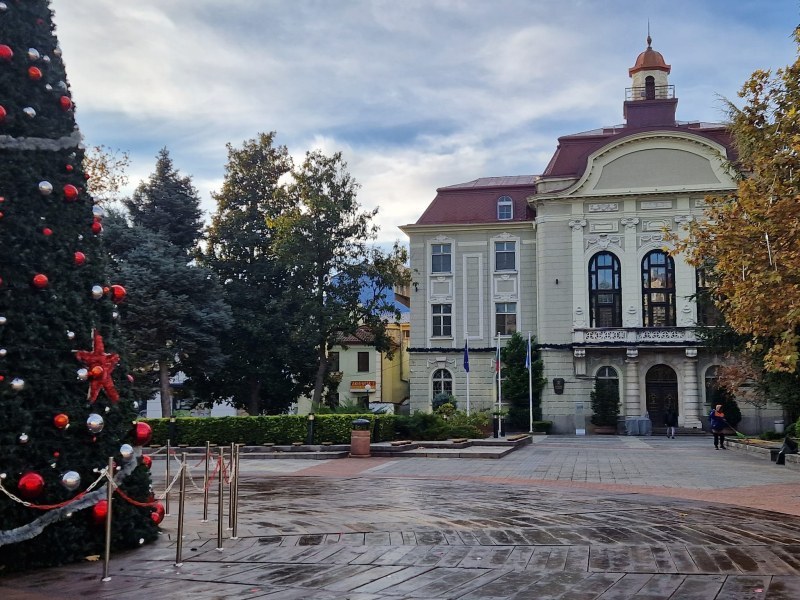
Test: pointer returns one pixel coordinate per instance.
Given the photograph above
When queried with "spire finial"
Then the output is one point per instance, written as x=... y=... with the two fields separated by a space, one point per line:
x=649 y=39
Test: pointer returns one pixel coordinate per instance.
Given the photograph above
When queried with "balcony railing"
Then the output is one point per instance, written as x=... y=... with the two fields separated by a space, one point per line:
x=635 y=335
x=658 y=92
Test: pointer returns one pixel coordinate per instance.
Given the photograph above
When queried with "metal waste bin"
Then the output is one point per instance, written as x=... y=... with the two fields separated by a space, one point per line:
x=778 y=425
x=360 y=439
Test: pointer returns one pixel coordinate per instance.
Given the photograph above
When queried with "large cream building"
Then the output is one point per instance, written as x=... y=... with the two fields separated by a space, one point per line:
x=577 y=256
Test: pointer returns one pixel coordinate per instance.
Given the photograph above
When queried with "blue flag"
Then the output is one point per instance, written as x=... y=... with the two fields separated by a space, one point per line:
x=466 y=356
x=528 y=356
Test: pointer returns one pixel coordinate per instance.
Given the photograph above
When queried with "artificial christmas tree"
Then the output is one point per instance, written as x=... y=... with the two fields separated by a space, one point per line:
x=64 y=406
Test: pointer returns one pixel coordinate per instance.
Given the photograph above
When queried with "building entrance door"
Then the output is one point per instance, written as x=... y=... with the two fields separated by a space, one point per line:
x=662 y=391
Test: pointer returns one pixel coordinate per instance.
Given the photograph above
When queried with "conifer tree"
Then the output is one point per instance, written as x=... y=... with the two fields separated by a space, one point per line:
x=65 y=404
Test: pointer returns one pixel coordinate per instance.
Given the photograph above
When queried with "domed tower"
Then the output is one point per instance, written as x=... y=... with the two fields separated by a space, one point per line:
x=650 y=100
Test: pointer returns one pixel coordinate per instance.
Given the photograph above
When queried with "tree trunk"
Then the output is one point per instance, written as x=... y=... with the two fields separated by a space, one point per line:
x=319 y=383
x=166 y=390
x=254 y=401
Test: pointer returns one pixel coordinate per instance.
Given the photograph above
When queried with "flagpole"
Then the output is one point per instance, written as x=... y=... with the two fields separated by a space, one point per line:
x=530 y=384
x=499 y=391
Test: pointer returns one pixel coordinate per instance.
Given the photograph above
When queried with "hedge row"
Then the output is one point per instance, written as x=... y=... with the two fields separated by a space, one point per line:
x=255 y=431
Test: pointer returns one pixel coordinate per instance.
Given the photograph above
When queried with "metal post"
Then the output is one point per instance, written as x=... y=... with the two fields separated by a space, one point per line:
x=236 y=496
x=166 y=493
x=230 y=488
x=181 y=502
x=206 y=484
x=109 y=496
x=221 y=498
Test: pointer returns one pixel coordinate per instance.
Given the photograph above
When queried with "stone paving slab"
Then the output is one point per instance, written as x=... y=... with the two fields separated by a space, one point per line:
x=601 y=518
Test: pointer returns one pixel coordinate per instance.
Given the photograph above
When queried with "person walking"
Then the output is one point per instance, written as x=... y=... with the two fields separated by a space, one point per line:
x=671 y=421
x=717 y=423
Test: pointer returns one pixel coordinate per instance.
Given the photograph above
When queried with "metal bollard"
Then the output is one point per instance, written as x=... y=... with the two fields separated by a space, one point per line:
x=166 y=493
x=236 y=496
x=221 y=498
x=205 y=484
x=109 y=496
x=181 y=502
x=230 y=487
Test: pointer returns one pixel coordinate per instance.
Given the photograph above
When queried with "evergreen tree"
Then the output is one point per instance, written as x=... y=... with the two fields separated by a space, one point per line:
x=516 y=388
x=56 y=318
x=321 y=240
x=168 y=204
x=174 y=314
x=268 y=358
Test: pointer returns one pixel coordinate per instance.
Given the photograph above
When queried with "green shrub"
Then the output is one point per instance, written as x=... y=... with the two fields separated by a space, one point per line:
x=441 y=399
x=771 y=435
x=605 y=403
x=542 y=426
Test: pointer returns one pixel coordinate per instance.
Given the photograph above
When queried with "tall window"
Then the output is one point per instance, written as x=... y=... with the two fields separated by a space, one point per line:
x=505 y=208
x=506 y=318
x=608 y=378
x=442 y=320
x=605 y=291
x=441 y=258
x=333 y=361
x=505 y=256
x=650 y=88
x=708 y=314
x=363 y=362
x=658 y=289
x=442 y=382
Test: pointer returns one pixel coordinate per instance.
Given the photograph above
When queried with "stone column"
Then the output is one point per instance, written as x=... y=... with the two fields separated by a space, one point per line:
x=633 y=404
x=691 y=395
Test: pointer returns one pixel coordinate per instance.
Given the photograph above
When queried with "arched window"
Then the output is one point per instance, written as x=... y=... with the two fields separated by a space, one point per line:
x=658 y=289
x=605 y=291
x=442 y=382
x=505 y=208
x=649 y=88
x=608 y=378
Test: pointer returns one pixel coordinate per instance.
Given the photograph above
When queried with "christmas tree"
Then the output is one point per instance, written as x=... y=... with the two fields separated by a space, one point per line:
x=65 y=404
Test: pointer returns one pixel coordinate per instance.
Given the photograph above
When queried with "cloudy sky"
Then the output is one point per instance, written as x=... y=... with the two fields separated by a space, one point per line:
x=417 y=94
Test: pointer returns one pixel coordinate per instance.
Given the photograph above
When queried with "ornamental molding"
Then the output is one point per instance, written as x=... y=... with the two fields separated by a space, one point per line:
x=629 y=222
x=604 y=241
x=683 y=219
x=580 y=318
x=577 y=224
x=441 y=238
x=607 y=207
x=600 y=336
x=655 y=204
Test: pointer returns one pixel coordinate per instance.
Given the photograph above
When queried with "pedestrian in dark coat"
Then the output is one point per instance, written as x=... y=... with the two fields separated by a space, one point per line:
x=717 y=423
x=671 y=421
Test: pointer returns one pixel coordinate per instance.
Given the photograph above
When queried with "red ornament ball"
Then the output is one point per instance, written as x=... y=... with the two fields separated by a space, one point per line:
x=3 y=113
x=99 y=512
x=96 y=371
x=40 y=281
x=31 y=485
x=158 y=513
x=47 y=231
x=141 y=433
x=79 y=258
x=147 y=461
x=34 y=73
x=65 y=103
x=69 y=168
x=61 y=421
x=6 y=53
x=118 y=293
x=70 y=192
x=97 y=228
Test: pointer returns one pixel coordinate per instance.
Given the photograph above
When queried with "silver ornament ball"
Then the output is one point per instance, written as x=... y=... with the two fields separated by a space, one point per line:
x=46 y=60
x=83 y=374
x=33 y=54
x=3 y=352
x=3 y=7
x=97 y=292
x=23 y=438
x=71 y=480
x=29 y=112
x=57 y=51
x=17 y=384
x=47 y=86
x=70 y=335
x=126 y=450
x=95 y=423
x=98 y=211
x=3 y=320
x=45 y=188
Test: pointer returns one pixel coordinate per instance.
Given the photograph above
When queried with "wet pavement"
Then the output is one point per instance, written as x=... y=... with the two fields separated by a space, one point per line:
x=566 y=517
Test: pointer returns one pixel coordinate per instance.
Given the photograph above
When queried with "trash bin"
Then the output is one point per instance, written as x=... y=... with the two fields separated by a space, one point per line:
x=778 y=425
x=360 y=438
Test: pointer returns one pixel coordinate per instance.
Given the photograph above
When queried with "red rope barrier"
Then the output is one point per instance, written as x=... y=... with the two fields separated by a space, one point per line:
x=59 y=505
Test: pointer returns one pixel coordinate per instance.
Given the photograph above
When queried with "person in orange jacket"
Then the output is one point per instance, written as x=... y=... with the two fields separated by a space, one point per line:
x=717 y=423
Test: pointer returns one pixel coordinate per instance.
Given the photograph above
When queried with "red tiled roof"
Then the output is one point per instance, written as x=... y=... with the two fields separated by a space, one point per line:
x=476 y=201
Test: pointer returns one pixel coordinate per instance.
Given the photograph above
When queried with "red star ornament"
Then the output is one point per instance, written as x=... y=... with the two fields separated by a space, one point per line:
x=106 y=361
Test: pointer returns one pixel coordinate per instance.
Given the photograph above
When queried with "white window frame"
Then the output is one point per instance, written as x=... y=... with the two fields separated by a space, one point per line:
x=505 y=203
x=440 y=316
x=433 y=246
x=515 y=313
x=513 y=253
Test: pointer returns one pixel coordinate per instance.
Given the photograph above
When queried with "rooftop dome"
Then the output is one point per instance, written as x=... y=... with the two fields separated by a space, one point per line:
x=649 y=60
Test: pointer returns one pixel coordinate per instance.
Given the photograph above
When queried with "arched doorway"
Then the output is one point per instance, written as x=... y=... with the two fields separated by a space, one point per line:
x=662 y=391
